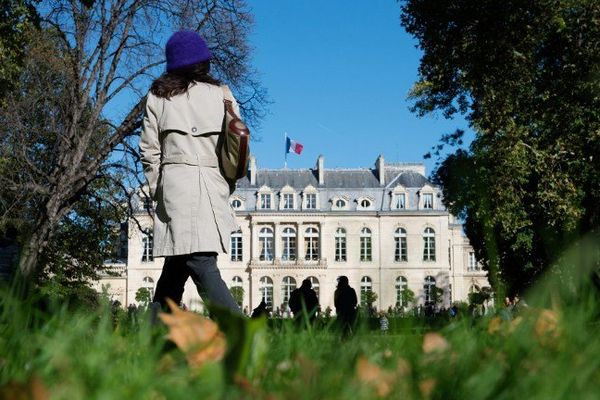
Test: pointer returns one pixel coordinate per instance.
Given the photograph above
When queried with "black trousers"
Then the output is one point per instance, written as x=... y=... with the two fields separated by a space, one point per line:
x=202 y=267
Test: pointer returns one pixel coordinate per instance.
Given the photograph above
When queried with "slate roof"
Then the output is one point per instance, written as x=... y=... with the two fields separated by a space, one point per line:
x=334 y=178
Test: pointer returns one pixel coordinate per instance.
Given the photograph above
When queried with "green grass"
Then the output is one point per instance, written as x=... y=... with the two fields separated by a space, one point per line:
x=79 y=354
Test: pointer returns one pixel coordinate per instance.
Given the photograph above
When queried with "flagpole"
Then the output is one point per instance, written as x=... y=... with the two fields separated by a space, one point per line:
x=286 y=151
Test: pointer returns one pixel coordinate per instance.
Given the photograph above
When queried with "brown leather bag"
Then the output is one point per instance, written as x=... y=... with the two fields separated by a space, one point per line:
x=234 y=147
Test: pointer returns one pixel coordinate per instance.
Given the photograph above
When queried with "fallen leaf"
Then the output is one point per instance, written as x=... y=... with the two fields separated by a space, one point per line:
x=495 y=325
x=434 y=342
x=198 y=337
x=426 y=386
x=514 y=324
x=371 y=374
x=546 y=326
x=403 y=367
x=34 y=389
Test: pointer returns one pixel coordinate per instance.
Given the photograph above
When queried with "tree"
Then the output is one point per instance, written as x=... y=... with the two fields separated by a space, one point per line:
x=527 y=76
x=143 y=296
x=407 y=297
x=367 y=298
x=91 y=59
x=238 y=294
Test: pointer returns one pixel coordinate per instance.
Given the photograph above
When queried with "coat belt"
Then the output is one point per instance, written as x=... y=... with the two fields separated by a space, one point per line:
x=191 y=159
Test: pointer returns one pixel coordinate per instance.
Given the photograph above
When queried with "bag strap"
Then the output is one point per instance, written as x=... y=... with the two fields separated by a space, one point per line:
x=228 y=100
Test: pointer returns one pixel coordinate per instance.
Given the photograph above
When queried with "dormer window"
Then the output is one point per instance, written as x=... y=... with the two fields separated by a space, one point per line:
x=428 y=201
x=365 y=203
x=398 y=201
x=236 y=204
x=311 y=201
x=264 y=201
x=339 y=203
x=288 y=201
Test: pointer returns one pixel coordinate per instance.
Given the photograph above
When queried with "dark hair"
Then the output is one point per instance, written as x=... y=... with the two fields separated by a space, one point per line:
x=178 y=81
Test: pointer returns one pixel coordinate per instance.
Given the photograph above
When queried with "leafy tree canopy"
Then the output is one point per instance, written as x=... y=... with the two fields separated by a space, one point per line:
x=526 y=74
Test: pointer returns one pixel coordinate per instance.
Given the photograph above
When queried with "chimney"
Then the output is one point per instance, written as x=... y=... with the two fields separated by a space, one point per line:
x=380 y=164
x=321 y=169
x=252 y=170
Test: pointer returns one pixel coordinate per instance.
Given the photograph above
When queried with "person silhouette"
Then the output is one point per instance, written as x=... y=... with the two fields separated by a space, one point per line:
x=345 y=301
x=304 y=296
x=260 y=311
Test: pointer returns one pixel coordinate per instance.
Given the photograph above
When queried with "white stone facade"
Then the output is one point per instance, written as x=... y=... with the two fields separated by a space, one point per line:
x=375 y=213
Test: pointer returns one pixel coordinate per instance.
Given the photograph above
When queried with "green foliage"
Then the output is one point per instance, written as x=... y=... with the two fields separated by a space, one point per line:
x=408 y=297
x=527 y=77
x=18 y=16
x=238 y=294
x=144 y=296
x=367 y=298
x=541 y=353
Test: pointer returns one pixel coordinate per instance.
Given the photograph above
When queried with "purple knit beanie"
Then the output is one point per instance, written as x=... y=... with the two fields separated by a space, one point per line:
x=186 y=48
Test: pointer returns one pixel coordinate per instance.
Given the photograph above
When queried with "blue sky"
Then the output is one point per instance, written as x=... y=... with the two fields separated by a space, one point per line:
x=339 y=73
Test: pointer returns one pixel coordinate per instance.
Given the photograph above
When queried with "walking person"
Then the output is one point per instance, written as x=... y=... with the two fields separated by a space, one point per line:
x=304 y=297
x=193 y=220
x=345 y=305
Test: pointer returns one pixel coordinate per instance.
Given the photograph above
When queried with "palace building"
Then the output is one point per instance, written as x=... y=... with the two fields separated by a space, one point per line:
x=384 y=227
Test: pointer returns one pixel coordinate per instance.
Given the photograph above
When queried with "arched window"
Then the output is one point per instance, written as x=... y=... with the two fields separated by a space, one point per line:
x=311 y=244
x=287 y=286
x=428 y=288
x=236 y=246
x=365 y=245
x=401 y=249
x=340 y=204
x=340 y=244
x=236 y=281
x=289 y=244
x=266 y=290
x=265 y=241
x=366 y=285
x=315 y=284
x=401 y=286
x=147 y=247
x=148 y=283
x=429 y=245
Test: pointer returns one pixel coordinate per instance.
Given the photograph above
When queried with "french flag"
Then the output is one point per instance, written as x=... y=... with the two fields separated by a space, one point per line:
x=291 y=146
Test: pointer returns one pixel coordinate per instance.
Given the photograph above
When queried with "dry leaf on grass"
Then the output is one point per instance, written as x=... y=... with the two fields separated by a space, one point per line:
x=546 y=326
x=434 y=342
x=426 y=387
x=372 y=374
x=198 y=337
x=495 y=325
x=32 y=390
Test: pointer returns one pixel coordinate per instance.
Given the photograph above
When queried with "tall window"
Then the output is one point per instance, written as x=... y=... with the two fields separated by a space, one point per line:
x=401 y=286
x=236 y=246
x=311 y=244
x=289 y=244
x=366 y=285
x=265 y=201
x=365 y=245
x=147 y=247
x=429 y=245
x=265 y=241
x=401 y=250
x=311 y=201
x=473 y=266
x=288 y=201
x=236 y=282
x=148 y=283
x=287 y=286
x=340 y=244
x=428 y=201
x=266 y=290
x=315 y=284
x=399 y=201
x=428 y=288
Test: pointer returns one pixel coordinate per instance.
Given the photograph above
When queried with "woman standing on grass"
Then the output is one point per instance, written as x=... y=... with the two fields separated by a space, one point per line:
x=193 y=219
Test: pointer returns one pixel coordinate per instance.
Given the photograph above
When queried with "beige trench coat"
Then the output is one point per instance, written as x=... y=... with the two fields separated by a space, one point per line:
x=178 y=150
